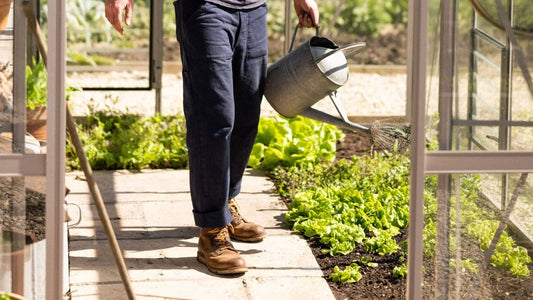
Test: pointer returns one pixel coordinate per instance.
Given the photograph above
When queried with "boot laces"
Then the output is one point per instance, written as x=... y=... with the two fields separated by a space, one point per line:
x=221 y=240
x=234 y=210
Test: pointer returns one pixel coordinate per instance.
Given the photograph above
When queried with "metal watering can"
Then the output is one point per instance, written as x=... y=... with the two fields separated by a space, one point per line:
x=314 y=70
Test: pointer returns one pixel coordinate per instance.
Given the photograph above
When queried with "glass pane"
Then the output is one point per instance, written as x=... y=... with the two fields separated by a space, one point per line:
x=98 y=56
x=6 y=105
x=522 y=108
x=22 y=236
x=6 y=83
x=466 y=255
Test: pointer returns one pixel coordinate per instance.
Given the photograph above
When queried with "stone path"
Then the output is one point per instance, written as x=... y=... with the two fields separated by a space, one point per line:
x=151 y=215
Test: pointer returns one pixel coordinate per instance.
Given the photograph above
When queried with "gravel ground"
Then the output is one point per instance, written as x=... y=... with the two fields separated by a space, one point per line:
x=376 y=91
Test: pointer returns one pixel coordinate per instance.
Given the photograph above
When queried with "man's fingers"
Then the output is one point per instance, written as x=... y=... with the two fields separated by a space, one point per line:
x=313 y=19
x=128 y=14
x=113 y=13
x=118 y=27
x=307 y=12
x=127 y=19
x=116 y=22
x=312 y=15
x=305 y=20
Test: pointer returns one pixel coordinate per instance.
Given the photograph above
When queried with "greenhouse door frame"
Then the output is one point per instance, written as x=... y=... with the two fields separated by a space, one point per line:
x=51 y=164
x=155 y=64
x=443 y=162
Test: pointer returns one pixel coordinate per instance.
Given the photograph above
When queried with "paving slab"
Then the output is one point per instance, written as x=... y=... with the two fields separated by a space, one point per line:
x=151 y=213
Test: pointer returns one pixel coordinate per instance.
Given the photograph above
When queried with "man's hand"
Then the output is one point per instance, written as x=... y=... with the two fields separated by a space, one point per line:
x=307 y=13
x=113 y=13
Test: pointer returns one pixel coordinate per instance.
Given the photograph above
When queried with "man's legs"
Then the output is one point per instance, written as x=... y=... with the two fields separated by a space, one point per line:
x=249 y=65
x=205 y=33
x=208 y=36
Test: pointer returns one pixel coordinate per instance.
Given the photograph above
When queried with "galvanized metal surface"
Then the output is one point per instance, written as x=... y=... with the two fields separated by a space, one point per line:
x=295 y=82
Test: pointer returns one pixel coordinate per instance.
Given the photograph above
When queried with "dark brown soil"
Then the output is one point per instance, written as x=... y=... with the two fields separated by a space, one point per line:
x=378 y=282
x=389 y=47
x=22 y=210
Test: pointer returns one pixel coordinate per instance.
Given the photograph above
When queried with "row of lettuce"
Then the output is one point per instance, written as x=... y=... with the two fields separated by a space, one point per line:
x=361 y=201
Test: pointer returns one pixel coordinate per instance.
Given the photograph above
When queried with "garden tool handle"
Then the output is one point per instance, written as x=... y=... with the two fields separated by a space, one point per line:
x=36 y=29
x=294 y=36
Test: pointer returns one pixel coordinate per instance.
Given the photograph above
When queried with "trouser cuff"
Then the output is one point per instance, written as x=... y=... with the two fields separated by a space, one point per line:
x=213 y=219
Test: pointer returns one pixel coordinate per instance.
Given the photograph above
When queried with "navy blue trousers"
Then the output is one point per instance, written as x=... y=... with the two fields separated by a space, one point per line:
x=224 y=58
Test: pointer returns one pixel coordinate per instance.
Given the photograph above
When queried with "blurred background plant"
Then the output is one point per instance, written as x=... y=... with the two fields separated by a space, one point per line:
x=88 y=28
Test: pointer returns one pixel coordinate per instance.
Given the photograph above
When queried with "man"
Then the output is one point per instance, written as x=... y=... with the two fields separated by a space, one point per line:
x=224 y=56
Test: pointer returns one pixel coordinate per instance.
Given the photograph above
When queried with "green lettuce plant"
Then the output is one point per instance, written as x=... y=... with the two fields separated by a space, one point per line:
x=349 y=274
x=290 y=142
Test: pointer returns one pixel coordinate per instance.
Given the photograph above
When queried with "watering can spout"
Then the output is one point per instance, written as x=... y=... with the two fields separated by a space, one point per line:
x=342 y=122
x=317 y=115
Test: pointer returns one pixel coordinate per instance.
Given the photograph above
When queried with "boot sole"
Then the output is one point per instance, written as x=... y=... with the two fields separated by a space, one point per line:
x=230 y=271
x=253 y=239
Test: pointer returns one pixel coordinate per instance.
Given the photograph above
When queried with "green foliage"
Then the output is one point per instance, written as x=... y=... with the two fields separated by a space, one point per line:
x=86 y=21
x=366 y=17
x=36 y=80
x=276 y=17
x=430 y=238
x=465 y=265
x=349 y=274
x=36 y=85
x=78 y=58
x=357 y=17
x=477 y=223
x=365 y=201
x=5 y=296
x=507 y=255
x=341 y=202
x=289 y=142
x=521 y=13
x=366 y=261
x=399 y=271
x=382 y=242
x=114 y=140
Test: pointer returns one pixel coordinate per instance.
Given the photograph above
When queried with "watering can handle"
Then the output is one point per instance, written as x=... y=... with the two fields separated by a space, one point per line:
x=294 y=36
x=359 y=47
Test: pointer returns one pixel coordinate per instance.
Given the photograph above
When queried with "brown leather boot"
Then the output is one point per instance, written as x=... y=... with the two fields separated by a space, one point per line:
x=242 y=230
x=217 y=253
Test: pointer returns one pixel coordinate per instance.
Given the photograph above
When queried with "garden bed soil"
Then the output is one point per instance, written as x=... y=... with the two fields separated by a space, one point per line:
x=389 y=47
x=378 y=282
x=22 y=209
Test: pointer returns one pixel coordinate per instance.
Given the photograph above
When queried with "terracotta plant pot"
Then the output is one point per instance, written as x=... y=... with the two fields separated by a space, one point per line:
x=36 y=122
x=5 y=8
